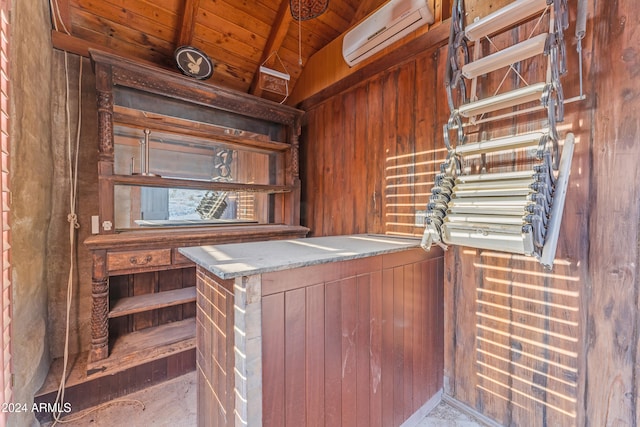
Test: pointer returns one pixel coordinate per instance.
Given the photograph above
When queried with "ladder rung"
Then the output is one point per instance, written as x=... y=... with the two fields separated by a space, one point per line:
x=504 y=18
x=485 y=219
x=487 y=179
x=493 y=192
x=516 y=53
x=515 y=184
x=489 y=209
x=508 y=143
x=504 y=100
x=506 y=238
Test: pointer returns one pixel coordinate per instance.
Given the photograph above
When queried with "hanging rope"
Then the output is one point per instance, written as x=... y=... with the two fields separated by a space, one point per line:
x=72 y=218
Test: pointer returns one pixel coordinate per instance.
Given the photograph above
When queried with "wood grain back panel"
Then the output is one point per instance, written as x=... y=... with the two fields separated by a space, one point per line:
x=354 y=349
x=370 y=154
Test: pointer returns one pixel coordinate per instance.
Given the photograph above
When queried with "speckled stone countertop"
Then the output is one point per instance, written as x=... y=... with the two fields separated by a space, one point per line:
x=245 y=259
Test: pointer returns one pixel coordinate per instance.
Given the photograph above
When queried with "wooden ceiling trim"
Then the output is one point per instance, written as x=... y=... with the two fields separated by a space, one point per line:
x=71 y=44
x=278 y=32
x=188 y=23
x=61 y=18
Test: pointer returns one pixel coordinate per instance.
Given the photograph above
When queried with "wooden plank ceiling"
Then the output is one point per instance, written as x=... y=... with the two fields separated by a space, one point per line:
x=238 y=35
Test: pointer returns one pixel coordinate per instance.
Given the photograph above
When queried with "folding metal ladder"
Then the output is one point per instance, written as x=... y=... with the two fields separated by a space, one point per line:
x=517 y=211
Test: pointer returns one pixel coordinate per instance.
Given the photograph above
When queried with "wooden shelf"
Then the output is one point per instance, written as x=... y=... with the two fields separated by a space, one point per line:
x=158 y=181
x=146 y=119
x=146 y=345
x=141 y=303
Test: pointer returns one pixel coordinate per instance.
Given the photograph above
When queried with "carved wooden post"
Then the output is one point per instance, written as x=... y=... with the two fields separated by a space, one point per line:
x=104 y=88
x=295 y=150
x=293 y=172
x=99 y=281
x=99 y=307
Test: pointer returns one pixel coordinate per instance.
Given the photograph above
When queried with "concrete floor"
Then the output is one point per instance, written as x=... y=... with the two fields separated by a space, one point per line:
x=173 y=403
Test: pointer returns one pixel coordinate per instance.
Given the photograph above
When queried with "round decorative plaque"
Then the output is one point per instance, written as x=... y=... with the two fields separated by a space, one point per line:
x=193 y=62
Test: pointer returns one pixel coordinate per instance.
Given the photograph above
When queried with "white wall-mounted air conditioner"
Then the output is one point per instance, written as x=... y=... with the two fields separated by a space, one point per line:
x=389 y=23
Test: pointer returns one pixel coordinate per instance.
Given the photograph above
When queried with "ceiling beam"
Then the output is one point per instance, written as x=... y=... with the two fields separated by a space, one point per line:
x=188 y=23
x=71 y=44
x=276 y=37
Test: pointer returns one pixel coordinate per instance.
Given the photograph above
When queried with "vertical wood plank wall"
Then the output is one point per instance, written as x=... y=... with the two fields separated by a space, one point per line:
x=370 y=154
x=215 y=351
x=522 y=345
x=357 y=343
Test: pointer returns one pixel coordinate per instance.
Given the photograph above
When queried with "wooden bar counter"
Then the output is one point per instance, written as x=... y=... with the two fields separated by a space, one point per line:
x=331 y=331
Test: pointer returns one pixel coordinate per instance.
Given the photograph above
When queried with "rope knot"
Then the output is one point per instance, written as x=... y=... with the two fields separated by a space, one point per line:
x=73 y=219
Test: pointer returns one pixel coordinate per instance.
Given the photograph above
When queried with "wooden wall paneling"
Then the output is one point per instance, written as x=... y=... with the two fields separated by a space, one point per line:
x=331 y=119
x=423 y=353
x=465 y=325
x=315 y=355
x=405 y=163
x=145 y=283
x=389 y=126
x=273 y=360
x=407 y=353
x=451 y=258
x=214 y=326
x=387 y=365
x=574 y=241
x=398 y=344
x=349 y=168
x=294 y=354
x=358 y=182
x=375 y=360
x=426 y=126
x=349 y=326
x=613 y=314
x=363 y=353
x=374 y=154
x=333 y=355
x=122 y=287
x=319 y=155
x=168 y=280
x=437 y=342
x=338 y=193
x=226 y=347
x=188 y=279
x=309 y=172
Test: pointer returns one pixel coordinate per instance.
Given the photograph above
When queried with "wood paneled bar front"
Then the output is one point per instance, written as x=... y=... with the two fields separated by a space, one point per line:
x=167 y=143
x=339 y=331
